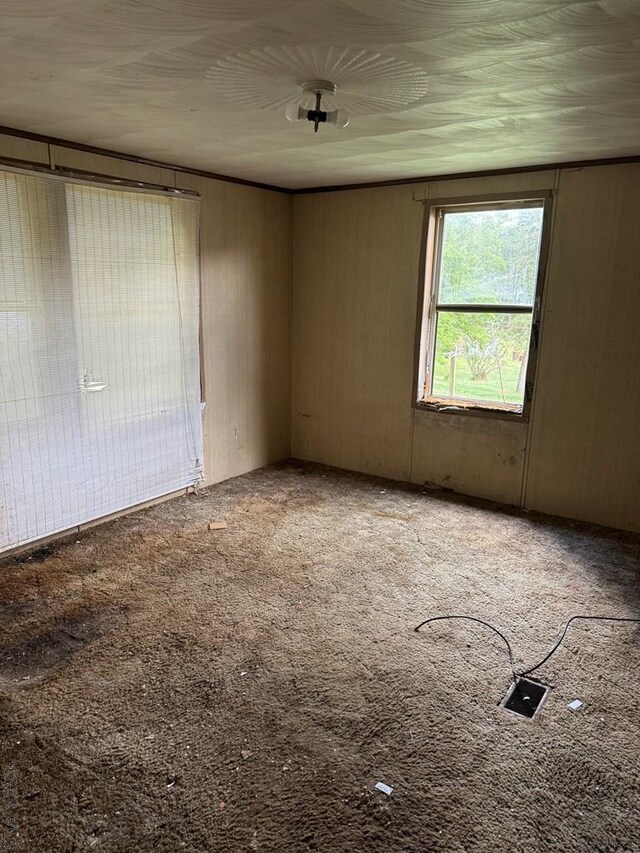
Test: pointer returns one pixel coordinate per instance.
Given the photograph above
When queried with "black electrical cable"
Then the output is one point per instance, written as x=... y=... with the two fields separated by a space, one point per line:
x=553 y=650
x=481 y=622
x=566 y=628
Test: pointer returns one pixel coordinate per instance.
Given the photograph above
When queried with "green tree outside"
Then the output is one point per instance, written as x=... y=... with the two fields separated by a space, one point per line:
x=489 y=258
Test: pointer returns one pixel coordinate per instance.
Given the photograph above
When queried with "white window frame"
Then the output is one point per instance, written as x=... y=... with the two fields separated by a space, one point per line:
x=429 y=305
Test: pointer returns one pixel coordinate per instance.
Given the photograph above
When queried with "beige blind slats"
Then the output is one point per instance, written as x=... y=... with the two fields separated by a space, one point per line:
x=99 y=362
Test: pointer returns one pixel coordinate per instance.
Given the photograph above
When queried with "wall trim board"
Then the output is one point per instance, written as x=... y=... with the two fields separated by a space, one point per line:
x=134 y=158
x=418 y=179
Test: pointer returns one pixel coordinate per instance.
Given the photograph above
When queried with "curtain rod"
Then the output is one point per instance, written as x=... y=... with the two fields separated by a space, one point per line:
x=85 y=177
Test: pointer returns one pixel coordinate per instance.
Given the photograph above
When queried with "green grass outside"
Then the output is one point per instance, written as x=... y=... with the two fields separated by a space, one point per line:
x=468 y=388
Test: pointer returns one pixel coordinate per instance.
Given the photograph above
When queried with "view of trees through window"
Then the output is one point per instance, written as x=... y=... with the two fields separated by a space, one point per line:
x=488 y=258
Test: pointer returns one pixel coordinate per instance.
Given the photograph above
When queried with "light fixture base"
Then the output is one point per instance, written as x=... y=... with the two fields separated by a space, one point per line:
x=321 y=87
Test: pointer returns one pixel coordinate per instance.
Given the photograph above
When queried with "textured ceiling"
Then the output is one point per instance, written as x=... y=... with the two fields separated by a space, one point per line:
x=432 y=86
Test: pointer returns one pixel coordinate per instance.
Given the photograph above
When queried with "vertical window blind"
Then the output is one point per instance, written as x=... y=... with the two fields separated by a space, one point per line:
x=99 y=351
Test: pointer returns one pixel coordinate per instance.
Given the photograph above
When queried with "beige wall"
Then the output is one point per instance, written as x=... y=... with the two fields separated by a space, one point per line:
x=584 y=457
x=355 y=258
x=246 y=286
x=246 y=298
x=356 y=263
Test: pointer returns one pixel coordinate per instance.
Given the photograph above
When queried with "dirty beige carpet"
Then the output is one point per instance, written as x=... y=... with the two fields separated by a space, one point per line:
x=164 y=687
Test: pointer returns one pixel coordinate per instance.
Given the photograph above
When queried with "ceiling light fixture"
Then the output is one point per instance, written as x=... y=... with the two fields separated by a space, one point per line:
x=338 y=118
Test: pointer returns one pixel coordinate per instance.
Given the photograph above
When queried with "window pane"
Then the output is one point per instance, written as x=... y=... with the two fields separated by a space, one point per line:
x=481 y=357
x=490 y=256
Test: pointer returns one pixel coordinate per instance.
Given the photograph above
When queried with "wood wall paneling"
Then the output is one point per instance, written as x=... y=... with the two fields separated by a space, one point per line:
x=521 y=182
x=475 y=456
x=584 y=457
x=17 y=148
x=245 y=246
x=356 y=272
x=355 y=267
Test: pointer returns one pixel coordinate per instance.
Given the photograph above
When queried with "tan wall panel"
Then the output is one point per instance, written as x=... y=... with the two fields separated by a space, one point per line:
x=98 y=164
x=471 y=455
x=23 y=149
x=246 y=283
x=356 y=261
x=356 y=272
x=477 y=456
x=585 y=435
x=524 y=182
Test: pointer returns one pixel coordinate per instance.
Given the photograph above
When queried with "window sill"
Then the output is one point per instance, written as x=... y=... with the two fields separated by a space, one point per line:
x=461 y=407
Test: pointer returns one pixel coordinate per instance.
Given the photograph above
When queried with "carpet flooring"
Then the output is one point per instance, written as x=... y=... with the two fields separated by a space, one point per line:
x=166 y=687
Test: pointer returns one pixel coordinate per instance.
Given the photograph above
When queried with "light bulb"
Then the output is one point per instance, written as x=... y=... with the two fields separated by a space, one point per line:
x=339 y=118
x=294 y=112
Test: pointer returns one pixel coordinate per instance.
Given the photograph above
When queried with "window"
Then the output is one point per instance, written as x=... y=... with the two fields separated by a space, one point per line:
x=481 y=303
x=99 y=356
